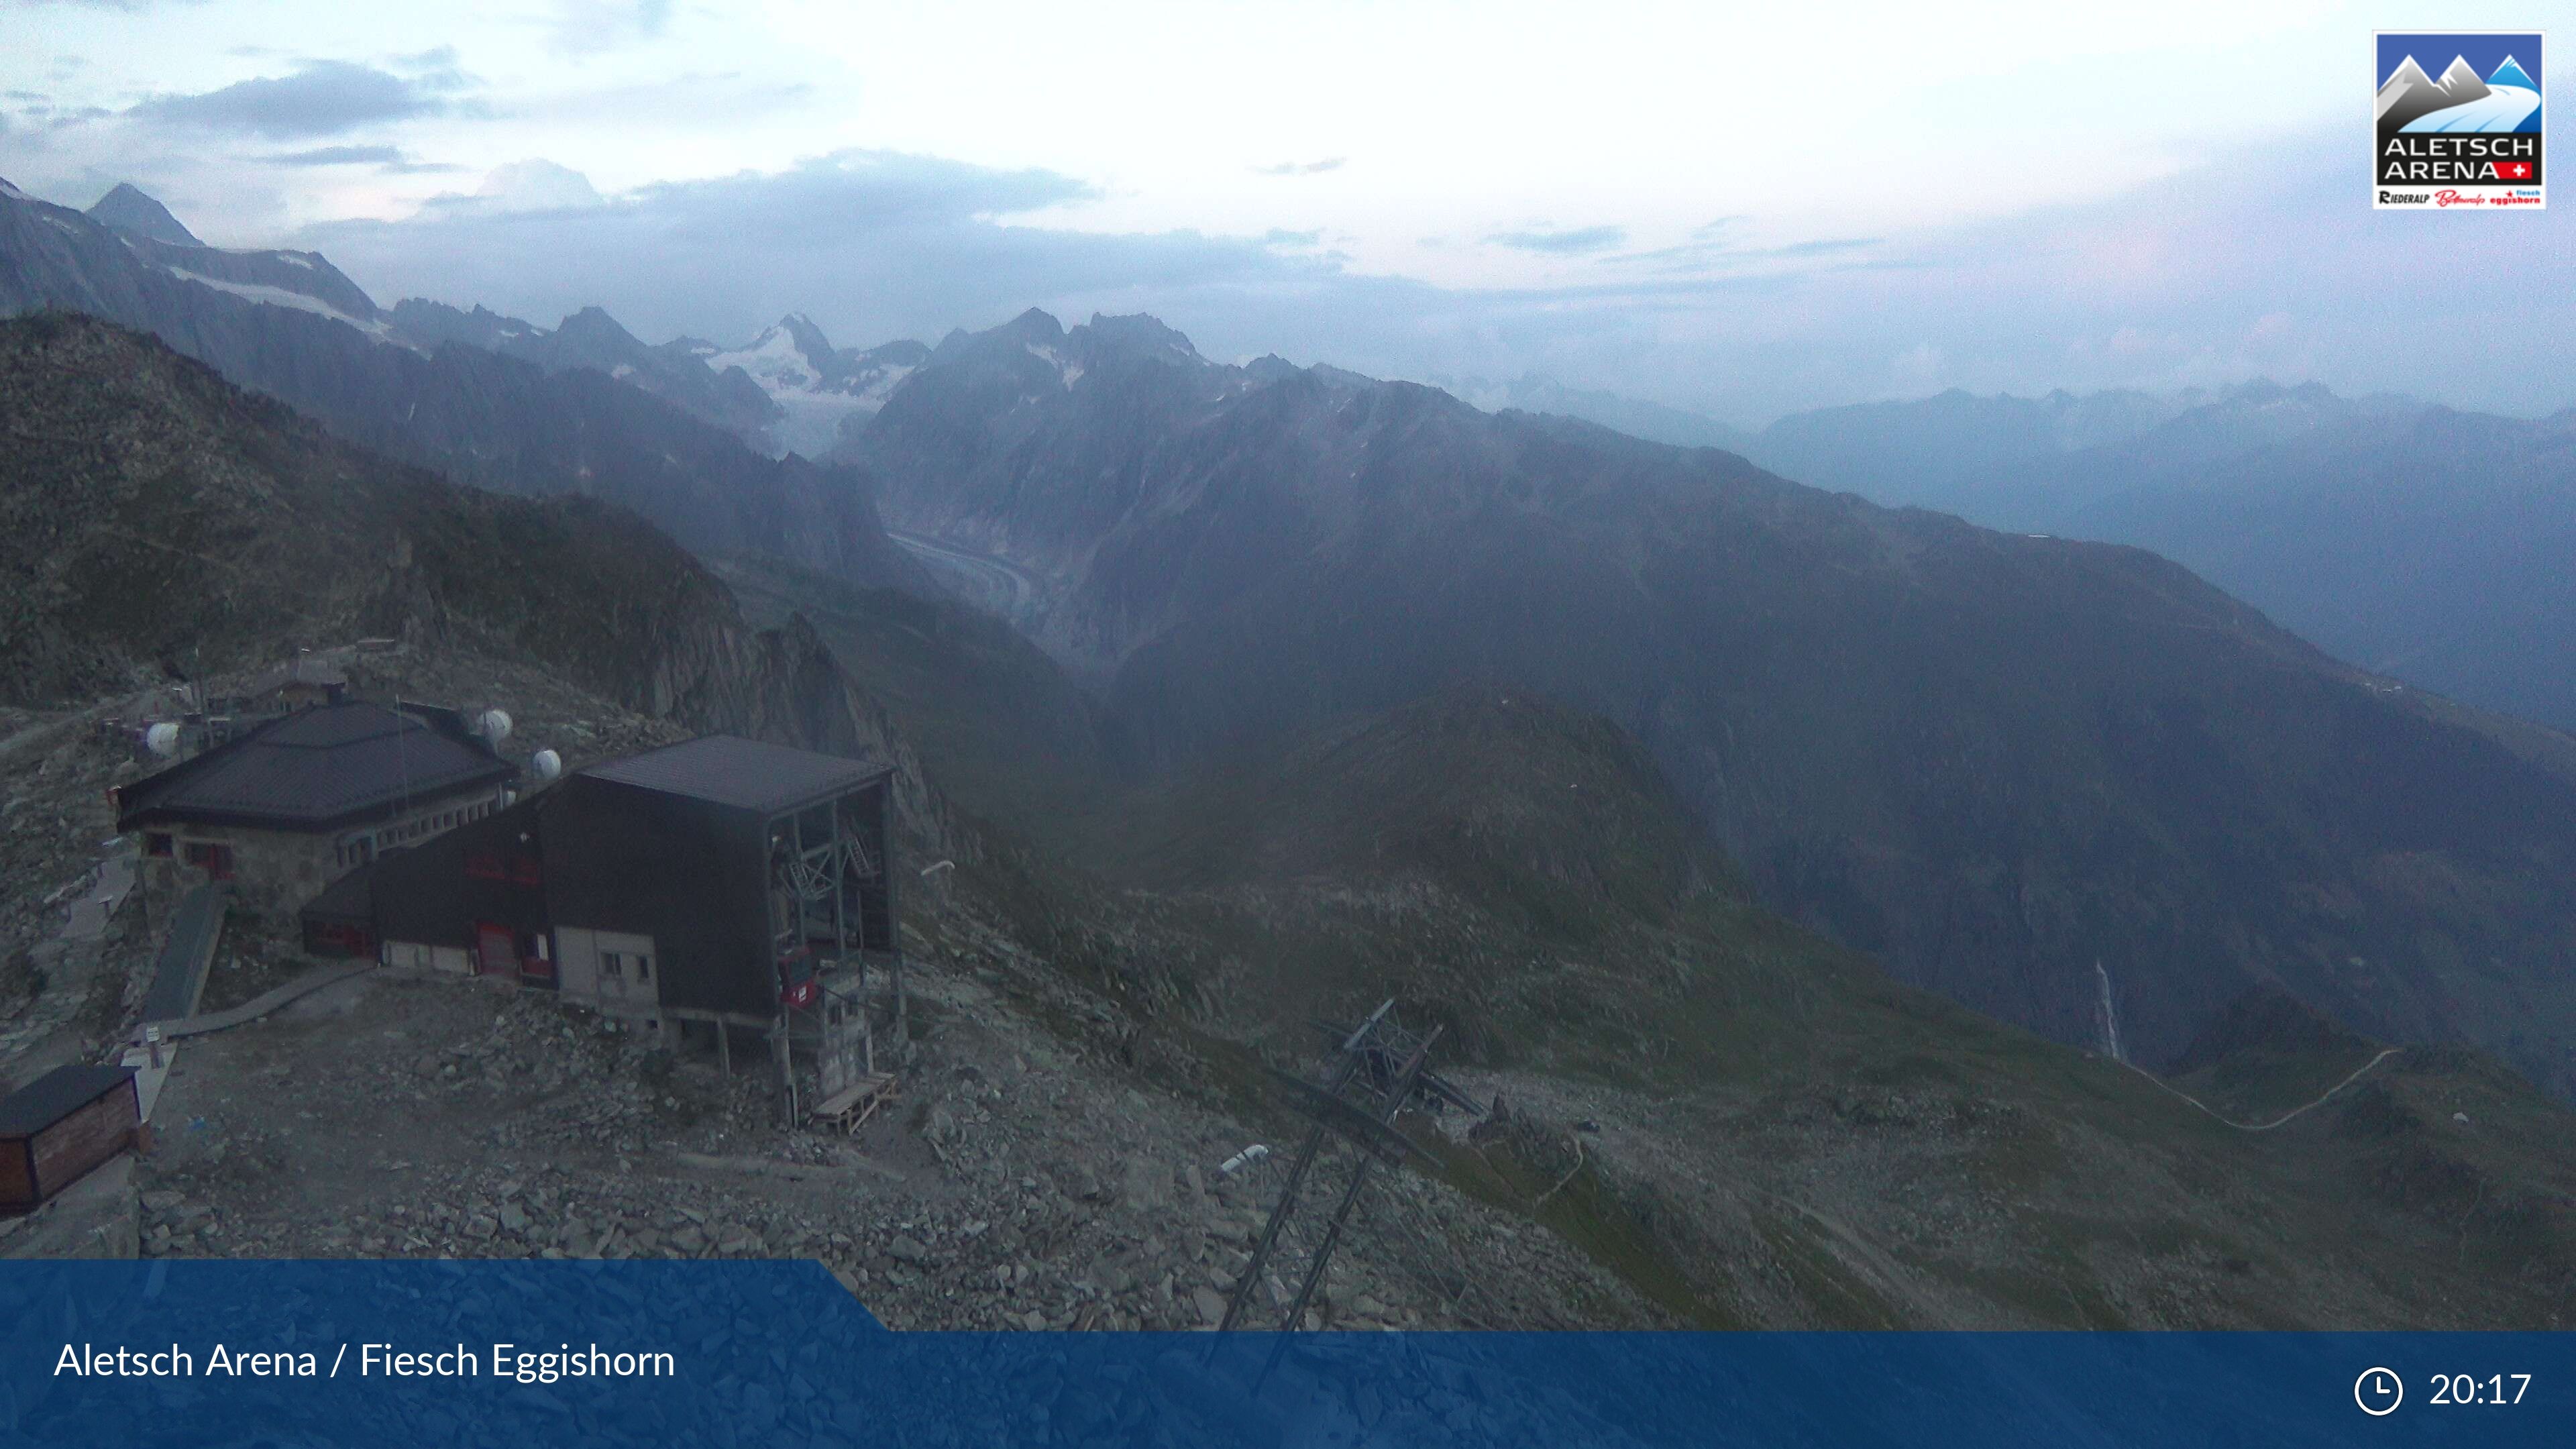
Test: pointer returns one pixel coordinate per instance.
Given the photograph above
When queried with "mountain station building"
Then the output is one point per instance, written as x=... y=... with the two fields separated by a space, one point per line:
x=720 y=882
x=284 y=807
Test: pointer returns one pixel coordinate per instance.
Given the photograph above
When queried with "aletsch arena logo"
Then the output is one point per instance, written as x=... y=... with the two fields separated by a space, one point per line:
x=2467 y=135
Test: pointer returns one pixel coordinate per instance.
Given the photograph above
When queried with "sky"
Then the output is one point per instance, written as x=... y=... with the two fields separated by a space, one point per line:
x=1739 y=214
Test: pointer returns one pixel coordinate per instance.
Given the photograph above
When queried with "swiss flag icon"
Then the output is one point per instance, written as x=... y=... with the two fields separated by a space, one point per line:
x=2514 y=170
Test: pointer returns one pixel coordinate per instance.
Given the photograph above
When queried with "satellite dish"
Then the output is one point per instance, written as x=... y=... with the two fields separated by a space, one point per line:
x=547 y=764
x=162 y=739
x=494 y=725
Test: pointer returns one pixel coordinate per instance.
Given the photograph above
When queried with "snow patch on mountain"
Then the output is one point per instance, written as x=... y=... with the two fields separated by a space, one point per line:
x=816 y=386
x=774 y=361
x=280 y=297
x=1067 y=371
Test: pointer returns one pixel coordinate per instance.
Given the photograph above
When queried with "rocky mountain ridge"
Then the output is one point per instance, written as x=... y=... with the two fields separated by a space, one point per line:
x=159 y=521
x=286 y=324
x=2002 y=764
x=2420 y=541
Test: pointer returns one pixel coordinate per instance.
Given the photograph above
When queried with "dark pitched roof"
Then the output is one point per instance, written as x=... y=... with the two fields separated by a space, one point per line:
x=56 y=1095
x=319 y=768
x=741 y=774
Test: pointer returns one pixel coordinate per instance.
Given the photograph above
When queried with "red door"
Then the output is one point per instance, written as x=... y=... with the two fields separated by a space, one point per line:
x=495 y=954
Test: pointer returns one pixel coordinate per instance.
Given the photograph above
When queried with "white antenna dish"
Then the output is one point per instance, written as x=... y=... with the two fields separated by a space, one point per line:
x=547 y=764
x=162 y=739
x=494 y=725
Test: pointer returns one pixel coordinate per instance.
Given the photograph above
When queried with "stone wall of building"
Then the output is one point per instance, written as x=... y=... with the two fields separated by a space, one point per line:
x=274 y=872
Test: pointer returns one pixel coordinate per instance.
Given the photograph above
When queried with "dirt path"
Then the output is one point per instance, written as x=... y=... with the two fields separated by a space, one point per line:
x=2322 y=1098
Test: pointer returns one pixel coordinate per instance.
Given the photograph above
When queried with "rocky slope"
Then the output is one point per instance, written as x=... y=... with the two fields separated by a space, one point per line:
x=156 y=520
x=2003 y=765
x=1757 y=1128
x=1711 y=1116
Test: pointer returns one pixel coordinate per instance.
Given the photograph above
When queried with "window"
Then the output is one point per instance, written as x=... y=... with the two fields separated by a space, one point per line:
x=612 y=967
x=157 y=843
x=643 y=968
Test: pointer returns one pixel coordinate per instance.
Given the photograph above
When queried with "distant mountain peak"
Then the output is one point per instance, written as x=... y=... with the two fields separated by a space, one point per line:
x=1139 y=333
x=129 y=208
x=594 y=321
x=1035 y=323
x=809 y=340
x=2511 y=74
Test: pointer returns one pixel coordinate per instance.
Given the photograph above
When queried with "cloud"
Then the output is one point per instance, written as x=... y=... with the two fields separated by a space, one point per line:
x=2227 y=270
x=388 y=160
x=322 y=98
x=1279 y=236
x=338 y=156
x=872 y=244
x=595 y=27
x=1919 y=367
x=1581 y=241
x=437 y=59
x=534 y=185
x=1699 y=257
x=1302 y=168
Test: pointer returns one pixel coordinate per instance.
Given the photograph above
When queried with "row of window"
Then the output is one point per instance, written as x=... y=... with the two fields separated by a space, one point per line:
x=212 y=857
x=361 y=849
x=613 y=966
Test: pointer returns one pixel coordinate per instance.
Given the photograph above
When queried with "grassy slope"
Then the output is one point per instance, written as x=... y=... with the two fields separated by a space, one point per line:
x=1800 y=1140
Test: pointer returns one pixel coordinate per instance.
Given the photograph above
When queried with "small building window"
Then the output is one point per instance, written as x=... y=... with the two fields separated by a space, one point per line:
x=612 y=967
x=643 y=968
x=216 y=860
x=157 y=843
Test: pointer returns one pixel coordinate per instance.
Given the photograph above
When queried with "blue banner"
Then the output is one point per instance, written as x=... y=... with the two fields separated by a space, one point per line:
x=742 y=1353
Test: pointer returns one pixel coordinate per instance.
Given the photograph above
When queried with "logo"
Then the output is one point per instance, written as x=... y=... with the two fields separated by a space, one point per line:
x=2463 y=138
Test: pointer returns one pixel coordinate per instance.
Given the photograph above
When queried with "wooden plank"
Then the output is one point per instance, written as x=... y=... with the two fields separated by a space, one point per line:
x=850 y=1108
x=67 y=1151
x=17 y=1175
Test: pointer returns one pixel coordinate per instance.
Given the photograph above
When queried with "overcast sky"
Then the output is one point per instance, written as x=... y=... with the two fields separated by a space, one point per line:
x=1740 y=215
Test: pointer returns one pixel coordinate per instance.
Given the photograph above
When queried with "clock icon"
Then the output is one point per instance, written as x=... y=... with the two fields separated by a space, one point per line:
x=2379 y=1391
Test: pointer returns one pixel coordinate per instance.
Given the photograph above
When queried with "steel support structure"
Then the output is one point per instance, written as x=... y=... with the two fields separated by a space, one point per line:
x=1349 y=1100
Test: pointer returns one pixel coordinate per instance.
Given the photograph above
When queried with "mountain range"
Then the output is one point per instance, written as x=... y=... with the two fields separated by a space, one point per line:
x=1701 y=1115
x=420 y=384
x=1992 y=760
x=2007 y=767
x=2424 y=543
